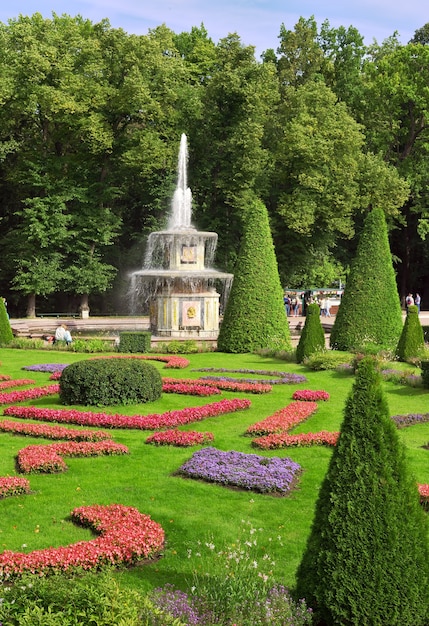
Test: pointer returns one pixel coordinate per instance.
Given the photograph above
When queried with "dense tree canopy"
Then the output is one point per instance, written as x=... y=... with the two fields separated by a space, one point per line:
x=320 y=130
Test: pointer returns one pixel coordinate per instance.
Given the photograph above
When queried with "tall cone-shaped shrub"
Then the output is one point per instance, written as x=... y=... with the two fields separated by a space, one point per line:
x=366 y=560
x=255 y=315
x=411 y=343
x=370 y=309
x=6 y=334
x=313 y=336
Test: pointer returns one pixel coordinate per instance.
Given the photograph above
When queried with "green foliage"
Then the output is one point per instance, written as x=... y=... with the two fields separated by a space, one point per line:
x=370 y=309
x=24 y=343
x=312 y=337
x=328 y=360
x=369 y=533
x=425 y=373
x=411 y=343
x=6 y=334
x=255 y=316
x=110 y=381
x=57 y=600
x=188 y=346
x=134 y=341
x=88 y=345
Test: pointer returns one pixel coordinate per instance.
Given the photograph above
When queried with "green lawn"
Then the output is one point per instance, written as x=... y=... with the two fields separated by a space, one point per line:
x=188 y=510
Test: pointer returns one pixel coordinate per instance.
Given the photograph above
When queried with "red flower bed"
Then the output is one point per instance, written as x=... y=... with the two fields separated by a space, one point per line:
x=307 y=395
x=28 y=394
x=55 y=376
x=126 y=536
x=48 y=458
x=13 y=486
x=283 y=440
x=179 y=438
x=424 y=495
x=20 y=382
x=170 y=419
x=224 y=385
x=4 y=376
x=282 y=420
x=196 y=389
x=53 y=432
x=171 y=361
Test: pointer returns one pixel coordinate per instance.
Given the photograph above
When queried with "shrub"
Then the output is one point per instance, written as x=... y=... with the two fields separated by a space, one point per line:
x=255 y=316
x=370 y=309
x=425 y=374
x=329 y=360
x=134 y=341
x=411 y=343
x=89 y=345
x=6 y=334
x=110 y=381
x=313 y=336
x=369 y=533
x=24 y=343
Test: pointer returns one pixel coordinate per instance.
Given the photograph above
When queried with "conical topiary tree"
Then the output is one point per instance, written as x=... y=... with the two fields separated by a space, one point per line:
x=411 y=343
x=313 y=336
x=255 y=316
x=370 y=309
x=366 y=560
x=6 y=334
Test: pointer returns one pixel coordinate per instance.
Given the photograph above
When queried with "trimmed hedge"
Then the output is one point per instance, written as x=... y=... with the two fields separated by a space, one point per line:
x=313 y=336
x=6 y=334
x=110 y=381
x=411 y=343
x=134 y=341
x=255 y=316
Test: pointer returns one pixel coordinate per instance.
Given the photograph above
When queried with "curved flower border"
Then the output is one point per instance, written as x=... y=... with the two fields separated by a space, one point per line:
x=48 y=459
x=181 y=438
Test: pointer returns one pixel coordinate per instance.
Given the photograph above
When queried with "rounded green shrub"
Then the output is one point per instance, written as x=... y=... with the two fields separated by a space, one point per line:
x=411 y=343
x=110 y=381
x=313 y=336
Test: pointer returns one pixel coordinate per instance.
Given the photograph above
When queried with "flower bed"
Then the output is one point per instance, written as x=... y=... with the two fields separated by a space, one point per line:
x=179 y=438
x=19 y=382
x=424 y=495
x=126 y=536
x=53 y=432
x=48 y=459
x=308 y=395
x=189 y=388
x=246 y=471
x=45 y=367
x=220 y=384
x=28 y=394
x=171 y=361
x=169 y=419
x=5 y=377
x=13 y=486
x=283 y=378
x=281 y=421
x=283 y=440
x=410 y=419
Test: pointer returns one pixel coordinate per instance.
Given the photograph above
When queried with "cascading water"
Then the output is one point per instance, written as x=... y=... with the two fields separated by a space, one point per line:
x=177 y=285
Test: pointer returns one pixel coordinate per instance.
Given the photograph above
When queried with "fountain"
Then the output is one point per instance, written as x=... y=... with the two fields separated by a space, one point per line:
x=178 y=287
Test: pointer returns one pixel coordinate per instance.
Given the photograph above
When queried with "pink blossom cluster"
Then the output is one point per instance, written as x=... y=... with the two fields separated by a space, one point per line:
x=423 y=490
x=48 y=458
x=53 y=432
x=170 y=419
x=171 y=361
x=4 y=376
x=13 y=486
x=19 y=382
x=222 y=385
x=308 y=395
x=196 y=389
x=125 y=537
x=28 y=394
x=179 y=438
x=281 y=421
x=283 y=440
x=55 y=376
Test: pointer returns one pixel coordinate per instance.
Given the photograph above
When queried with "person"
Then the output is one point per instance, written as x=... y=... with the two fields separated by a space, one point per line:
x=409 y=301
x=323 y=306
x=286 y=301
x=63 y=334
x=328 y=308
x=296 y=306
x=417 y=302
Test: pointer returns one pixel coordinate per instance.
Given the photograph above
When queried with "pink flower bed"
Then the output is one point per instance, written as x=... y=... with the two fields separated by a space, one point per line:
x=170 y=419
x=48 y=458
x=171 y=361
x=283 y=440
x=20 y=382
x=13 y=486
x=424 y=495
x=307 y=395
x=53 y=432
x=55 y=376
x=5 y=377
x=126 y=536
x=28 y=394
x=179 y=438
x=281 y=421
x=224 y=385
x=189 y=389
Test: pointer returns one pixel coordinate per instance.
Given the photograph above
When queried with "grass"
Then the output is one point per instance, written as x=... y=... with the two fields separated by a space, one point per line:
x=188 y=510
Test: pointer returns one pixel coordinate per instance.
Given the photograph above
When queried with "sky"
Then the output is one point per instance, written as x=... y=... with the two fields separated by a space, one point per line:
x=257 y=22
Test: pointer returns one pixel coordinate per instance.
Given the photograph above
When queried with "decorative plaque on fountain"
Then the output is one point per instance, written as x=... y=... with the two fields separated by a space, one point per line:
x=191 y=313
x=189 y=254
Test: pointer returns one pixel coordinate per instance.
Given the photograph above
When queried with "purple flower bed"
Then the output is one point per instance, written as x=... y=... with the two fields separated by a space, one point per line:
x=46 y=367
x=402 y=421
x=246 y=471
x=282 y=378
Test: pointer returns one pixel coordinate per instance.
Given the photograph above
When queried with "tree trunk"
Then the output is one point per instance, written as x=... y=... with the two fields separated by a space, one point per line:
x=31 y=305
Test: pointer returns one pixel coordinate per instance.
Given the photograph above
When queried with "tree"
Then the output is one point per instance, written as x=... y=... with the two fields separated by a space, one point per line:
x=255 y=315
x=6 y=334
x=411 y=344
x=312 y=337
x=366 y=559
x=370 y=309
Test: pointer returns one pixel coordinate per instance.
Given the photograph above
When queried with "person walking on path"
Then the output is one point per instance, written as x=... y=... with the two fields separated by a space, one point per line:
x=417 y=302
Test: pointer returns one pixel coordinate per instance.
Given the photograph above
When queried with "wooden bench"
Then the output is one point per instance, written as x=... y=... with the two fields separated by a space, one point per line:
x=58 y=315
